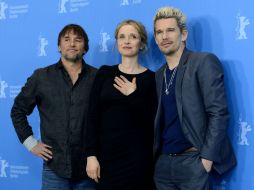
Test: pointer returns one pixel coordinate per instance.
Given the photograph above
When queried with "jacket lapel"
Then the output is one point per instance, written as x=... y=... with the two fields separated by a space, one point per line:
x=159 y=84
x=159 y=81
x=179 y=79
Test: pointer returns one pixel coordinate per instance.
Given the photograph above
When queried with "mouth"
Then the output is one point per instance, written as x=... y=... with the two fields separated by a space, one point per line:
x=166 y=44
x=126 y=47
x=72 y=50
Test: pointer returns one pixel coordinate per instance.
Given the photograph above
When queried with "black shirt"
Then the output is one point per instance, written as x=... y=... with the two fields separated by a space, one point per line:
x=63 y=113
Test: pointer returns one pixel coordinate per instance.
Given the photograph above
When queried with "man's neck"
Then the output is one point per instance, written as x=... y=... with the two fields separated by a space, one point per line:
x=73 y=69
x=173 y=60
x=71 y=66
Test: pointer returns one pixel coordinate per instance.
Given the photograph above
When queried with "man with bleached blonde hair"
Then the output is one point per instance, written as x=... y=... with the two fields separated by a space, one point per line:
x=192 y=116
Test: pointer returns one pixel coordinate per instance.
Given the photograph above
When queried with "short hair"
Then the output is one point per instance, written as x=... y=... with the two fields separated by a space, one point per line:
x=139 y=27
x=171 y=12
x=76 y=29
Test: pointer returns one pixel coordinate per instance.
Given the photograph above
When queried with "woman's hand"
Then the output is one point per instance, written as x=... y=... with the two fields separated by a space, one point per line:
x=124 y=86
x=93 y=168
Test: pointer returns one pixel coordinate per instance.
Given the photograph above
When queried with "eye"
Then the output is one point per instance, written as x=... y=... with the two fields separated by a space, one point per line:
x=158 y=32
x=78 y=40
x=121 y=36
x=170 y=29
x=133 y=36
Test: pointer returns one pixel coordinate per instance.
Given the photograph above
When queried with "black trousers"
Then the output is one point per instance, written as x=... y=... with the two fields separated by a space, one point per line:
x=181 y=172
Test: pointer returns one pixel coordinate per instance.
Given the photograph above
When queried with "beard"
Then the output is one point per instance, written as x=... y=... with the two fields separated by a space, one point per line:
x=73 y=59
x=170 y=51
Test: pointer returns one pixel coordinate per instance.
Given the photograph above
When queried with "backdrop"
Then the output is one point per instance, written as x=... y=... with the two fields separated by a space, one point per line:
x=28 y=40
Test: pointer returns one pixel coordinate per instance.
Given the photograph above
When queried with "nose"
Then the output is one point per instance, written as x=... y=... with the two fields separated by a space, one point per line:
x=72 y=42
x=164 y=35
x=127 y=40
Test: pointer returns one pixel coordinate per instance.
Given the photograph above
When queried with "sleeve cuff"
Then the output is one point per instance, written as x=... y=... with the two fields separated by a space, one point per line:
x=30 y=142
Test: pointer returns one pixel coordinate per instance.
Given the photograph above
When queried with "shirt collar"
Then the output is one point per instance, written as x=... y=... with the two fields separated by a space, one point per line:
x=83 y=69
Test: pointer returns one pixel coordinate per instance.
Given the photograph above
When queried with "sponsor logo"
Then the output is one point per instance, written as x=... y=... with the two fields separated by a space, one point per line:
x=12 y=171
x=3 y=86
x=130 y=2
x=103 y=43
x=124 y=2
x=62 y=6
x=12 y=11
x=3 y=165
x=242 y=22
x=3 y=7
x=14 y=90
x=65 y=6
x=244 y=128
x=43 y=42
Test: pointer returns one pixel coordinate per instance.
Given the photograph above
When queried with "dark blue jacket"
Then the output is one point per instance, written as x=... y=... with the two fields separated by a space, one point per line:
x=202 y=108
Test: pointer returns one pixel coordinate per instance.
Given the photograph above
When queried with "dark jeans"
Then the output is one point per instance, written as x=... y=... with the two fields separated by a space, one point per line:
x=50 y=181
x=182 y=172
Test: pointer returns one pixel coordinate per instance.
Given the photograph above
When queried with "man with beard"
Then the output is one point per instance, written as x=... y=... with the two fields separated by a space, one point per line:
x=61 y=94
x=192 y=117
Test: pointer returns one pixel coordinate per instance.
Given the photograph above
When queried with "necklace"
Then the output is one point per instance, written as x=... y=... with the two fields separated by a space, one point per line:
x=167 y=86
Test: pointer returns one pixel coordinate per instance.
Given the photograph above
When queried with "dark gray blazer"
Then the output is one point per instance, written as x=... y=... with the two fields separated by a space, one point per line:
x=202 y=108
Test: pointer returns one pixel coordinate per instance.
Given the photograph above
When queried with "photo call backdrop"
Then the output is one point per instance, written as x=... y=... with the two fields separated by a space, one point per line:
x=28 y=40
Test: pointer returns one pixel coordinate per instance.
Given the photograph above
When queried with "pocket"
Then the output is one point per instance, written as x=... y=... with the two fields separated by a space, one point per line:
x=161 y=163
x=45 y=167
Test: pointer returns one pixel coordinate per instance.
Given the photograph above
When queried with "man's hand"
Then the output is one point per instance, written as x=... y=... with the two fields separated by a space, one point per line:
x=42 y=150
x=93 y=168
x=207 y=164
x=124 y=86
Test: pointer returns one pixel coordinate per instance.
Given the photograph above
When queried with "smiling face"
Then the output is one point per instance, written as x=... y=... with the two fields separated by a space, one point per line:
x=128 y=41
x=168 y=36
x=72 y=47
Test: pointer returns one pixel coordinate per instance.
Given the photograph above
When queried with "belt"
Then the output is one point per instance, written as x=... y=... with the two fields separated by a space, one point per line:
x=192 y=149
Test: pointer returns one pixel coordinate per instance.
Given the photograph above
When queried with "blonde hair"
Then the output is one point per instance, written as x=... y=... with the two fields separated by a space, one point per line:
x=171 y=12
x=139 y=27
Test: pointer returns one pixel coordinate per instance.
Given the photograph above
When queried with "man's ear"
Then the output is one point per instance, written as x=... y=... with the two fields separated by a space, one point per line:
x=155 y=39
x=184 y=35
